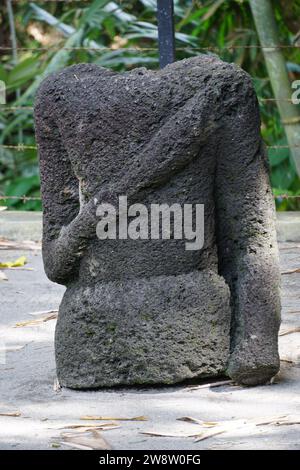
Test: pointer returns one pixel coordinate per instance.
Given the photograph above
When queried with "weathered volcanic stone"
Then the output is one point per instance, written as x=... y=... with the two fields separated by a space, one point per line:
x=159 y=330
x=149 y=311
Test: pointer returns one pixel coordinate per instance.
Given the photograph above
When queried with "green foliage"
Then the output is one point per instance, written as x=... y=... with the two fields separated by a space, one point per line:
x=115 y=31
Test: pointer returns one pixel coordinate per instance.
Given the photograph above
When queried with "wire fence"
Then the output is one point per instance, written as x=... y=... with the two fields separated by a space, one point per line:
x=32 y=198
x=268 y=48
x=30 y=108
x=20 y=147
x=55 y=1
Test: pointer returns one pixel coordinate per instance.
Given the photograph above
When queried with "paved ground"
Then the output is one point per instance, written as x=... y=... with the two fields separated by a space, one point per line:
x=28 y=373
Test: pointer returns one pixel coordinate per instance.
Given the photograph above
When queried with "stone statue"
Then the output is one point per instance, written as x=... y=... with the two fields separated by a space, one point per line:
x=140 y=311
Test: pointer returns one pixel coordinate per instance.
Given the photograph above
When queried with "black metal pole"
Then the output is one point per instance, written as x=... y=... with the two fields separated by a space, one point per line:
x=166 y=35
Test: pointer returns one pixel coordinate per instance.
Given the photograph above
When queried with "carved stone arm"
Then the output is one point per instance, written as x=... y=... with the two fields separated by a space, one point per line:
x=246 y=241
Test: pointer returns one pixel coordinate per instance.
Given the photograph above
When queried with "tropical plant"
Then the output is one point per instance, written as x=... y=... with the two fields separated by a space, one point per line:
x=122 y=35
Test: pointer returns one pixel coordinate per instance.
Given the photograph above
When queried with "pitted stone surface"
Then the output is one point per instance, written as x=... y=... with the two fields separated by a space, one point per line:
x=162 y=330
x=187 y=134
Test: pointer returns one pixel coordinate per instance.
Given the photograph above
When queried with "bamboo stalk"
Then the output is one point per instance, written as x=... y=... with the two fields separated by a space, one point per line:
x=13 y=38
x=267 y=30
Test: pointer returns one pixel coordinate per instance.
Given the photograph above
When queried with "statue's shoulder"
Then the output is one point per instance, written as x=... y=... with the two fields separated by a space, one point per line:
x=66 y=80
x=207 y=68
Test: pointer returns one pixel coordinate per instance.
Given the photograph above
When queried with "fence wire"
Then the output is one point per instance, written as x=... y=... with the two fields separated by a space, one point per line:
x=33 y=198
x=60 y=1
x=21 y=147
x=267 y=48
x=30 y=108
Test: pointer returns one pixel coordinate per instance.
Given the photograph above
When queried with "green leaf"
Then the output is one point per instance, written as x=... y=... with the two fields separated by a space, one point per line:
x=91 y=10
x=283 y=176
x=277 y=156
x=23 y=72
x=21 y=187
x=212 y=10
x=3 y=74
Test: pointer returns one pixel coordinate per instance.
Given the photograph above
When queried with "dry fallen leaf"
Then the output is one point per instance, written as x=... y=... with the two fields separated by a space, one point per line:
x=289 y=247
x=228 y=426
x=109 y=418
x=167 y=434
x=288 y=331
x=6 y=244
x=56 y=385
x=15 y=348
x=290 y=360
x=211 y=385
x=291 y=271
x=14 y=264
x=37 y=321
x=76 y=446
x=205 y=424
x=20 y=268
x=90 y=427
x=14 y=414
x=91 y=440
x=55 y=445
x=280 y=421
x=3 y=276
x=208 y=434
x=222 y=427
x=44 y=312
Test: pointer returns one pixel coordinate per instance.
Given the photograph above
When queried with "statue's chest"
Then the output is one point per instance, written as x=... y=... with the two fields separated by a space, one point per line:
x=106 y=123
x=103 y=128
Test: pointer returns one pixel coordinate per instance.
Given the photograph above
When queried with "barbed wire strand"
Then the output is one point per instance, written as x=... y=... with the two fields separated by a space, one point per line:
x=24 y=198
x=147 y=49
x=16 y=108
x=30 y=108
x=56 y=1
x=36 y=198
x=20 y=147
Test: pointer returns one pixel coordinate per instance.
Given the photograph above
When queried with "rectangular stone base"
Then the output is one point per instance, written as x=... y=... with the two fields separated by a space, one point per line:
x=161 y=330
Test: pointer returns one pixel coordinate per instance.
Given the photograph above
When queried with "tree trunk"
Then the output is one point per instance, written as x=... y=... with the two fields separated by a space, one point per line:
x=266 y=26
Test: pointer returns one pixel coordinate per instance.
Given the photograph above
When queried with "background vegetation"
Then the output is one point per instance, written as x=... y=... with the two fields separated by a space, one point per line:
x=123 y=27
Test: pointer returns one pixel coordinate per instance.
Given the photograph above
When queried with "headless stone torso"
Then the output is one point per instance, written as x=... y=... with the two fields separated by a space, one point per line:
x=106 y=121
x=149 y=311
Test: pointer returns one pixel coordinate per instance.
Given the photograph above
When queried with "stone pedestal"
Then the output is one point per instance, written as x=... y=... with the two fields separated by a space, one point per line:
x=160 y=330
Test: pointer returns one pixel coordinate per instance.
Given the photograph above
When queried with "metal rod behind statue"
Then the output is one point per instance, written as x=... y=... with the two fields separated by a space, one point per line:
x=166 y=35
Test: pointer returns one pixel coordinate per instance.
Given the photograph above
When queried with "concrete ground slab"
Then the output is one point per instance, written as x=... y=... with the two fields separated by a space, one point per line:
x=21 y=225
x=28 y=374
